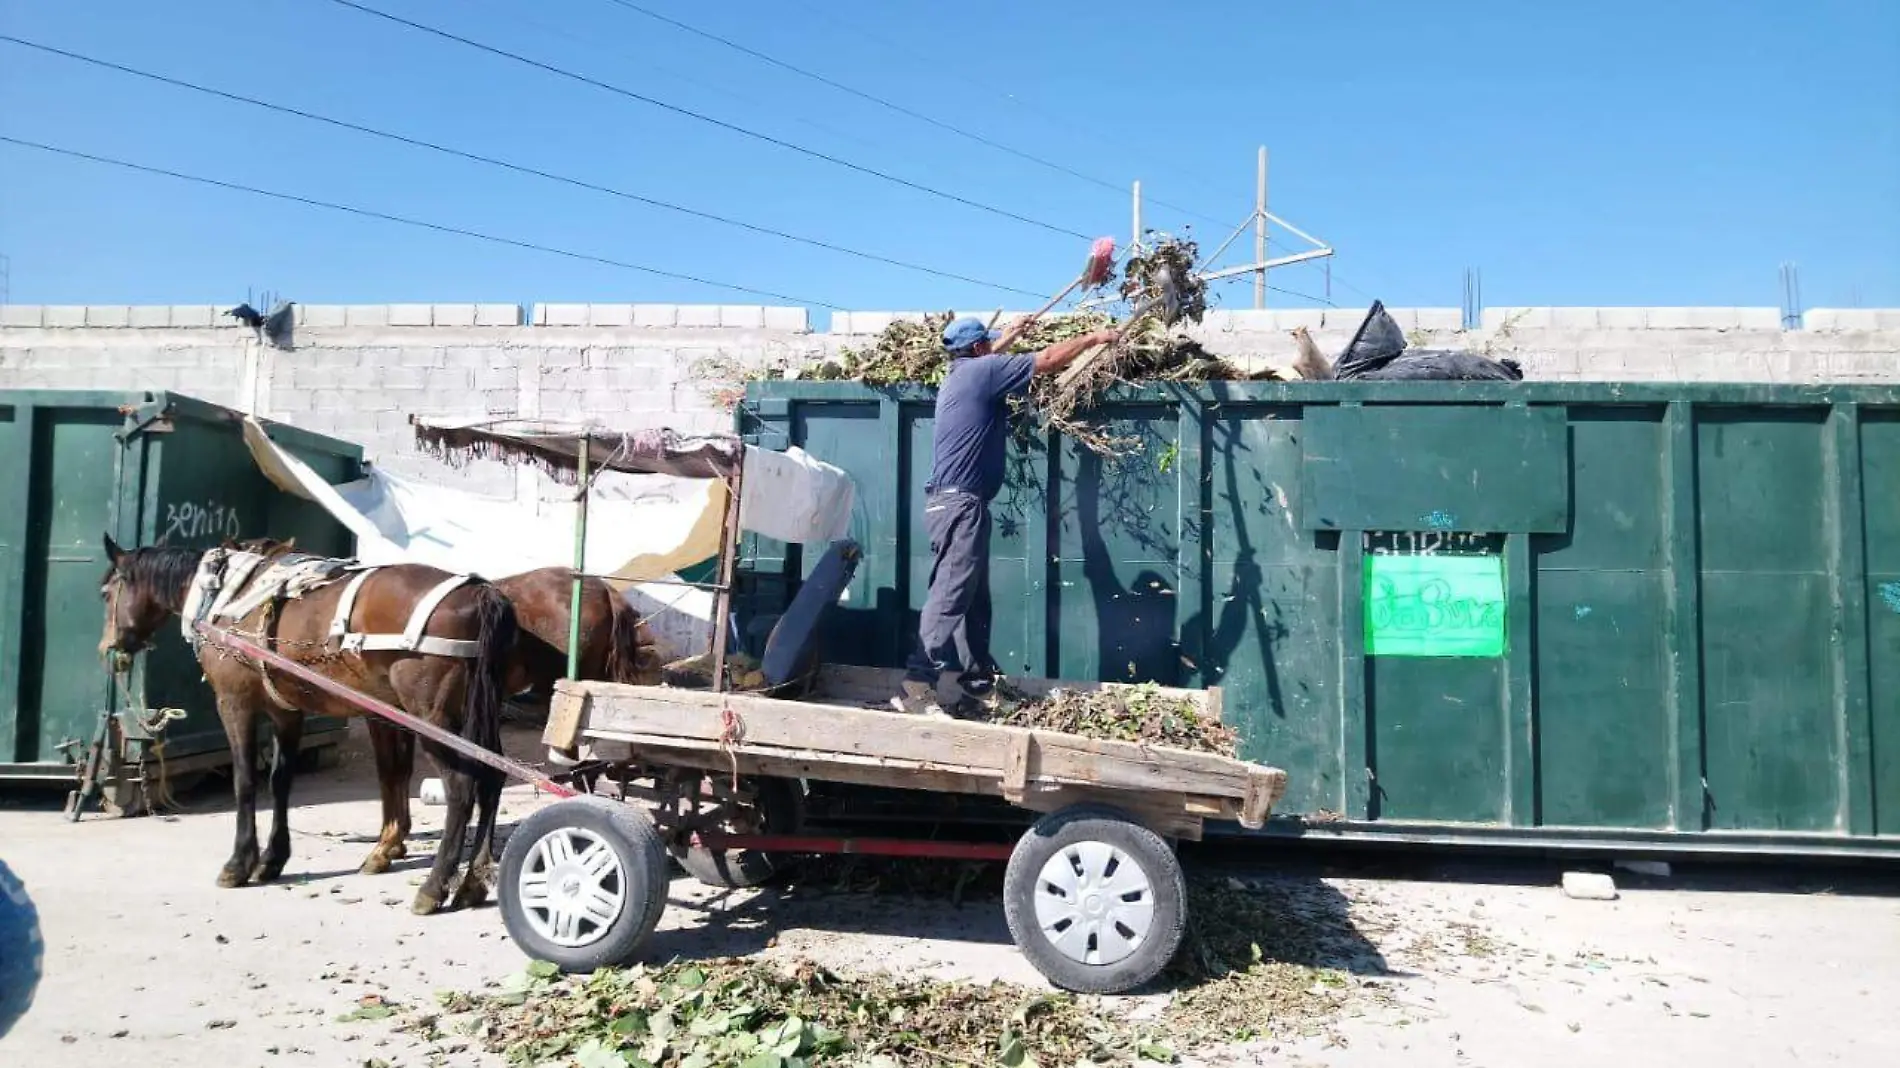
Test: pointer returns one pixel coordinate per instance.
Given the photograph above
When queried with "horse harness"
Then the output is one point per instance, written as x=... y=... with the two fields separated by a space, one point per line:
x=232 y=583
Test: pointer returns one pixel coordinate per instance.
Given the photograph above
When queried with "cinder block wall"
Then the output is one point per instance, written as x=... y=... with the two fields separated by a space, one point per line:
x=359 y=371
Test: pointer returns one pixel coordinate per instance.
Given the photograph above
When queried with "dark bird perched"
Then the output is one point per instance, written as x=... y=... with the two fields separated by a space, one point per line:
x=274 y=328
x=247 y=315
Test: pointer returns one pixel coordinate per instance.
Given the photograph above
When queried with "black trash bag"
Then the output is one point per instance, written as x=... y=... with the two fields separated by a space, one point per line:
x=1377 y=352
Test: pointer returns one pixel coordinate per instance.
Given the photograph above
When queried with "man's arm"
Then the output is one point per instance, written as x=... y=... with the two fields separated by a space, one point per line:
x=1062 y=353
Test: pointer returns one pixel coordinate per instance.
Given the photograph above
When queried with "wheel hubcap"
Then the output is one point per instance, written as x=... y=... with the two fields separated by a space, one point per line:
x=572 y=887
x=1094 y=903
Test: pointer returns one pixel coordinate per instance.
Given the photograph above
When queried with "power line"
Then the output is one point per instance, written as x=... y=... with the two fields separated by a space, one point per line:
x=518 y=168
x=1277 y=289
x=1117 y=143
x=721 y=123
x=647 y=66
x=440 y=228
x=893 y=106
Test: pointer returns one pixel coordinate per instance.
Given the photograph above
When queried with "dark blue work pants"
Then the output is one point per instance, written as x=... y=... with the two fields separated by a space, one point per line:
x=955 y=627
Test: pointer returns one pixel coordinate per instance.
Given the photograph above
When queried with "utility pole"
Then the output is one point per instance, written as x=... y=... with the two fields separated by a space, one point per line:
x=1260 y=231
x=1260 y=218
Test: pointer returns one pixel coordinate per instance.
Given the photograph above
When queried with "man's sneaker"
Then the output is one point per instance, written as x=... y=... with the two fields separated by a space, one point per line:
x=919 y=699
x=988 y=698
x=987 y=702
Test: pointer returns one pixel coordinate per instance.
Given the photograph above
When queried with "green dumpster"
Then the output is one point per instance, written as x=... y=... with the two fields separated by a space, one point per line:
x=145 y=468
x=1641 y=618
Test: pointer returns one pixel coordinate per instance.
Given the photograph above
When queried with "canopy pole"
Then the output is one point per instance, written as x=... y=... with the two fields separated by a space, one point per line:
x=580 y=561
x=728 y=568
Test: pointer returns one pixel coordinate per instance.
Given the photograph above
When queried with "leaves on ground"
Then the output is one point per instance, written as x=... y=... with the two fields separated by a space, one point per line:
x=751 y=1014
x=370 y=1007
x=1279 y=960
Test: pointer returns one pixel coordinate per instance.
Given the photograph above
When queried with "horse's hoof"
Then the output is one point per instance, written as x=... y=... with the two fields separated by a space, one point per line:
x=375 y=864
x=425 y=904
x=397 y=851
x=472 y=894
x=268 y=871
x=231 y=878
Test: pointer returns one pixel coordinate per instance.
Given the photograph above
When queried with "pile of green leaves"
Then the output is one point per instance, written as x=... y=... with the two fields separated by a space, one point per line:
x=724 y=1013
x=1126 y=714
x=1273 y=959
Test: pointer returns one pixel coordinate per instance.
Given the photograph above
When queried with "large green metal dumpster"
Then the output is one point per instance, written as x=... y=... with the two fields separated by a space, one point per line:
x=145 y=468
x=1637 y=617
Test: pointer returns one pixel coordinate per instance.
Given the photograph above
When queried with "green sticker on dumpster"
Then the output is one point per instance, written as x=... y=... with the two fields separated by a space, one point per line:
x=1435 y=605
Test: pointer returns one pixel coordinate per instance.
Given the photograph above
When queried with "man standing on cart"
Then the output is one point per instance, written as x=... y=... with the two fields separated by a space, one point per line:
x=966 y=473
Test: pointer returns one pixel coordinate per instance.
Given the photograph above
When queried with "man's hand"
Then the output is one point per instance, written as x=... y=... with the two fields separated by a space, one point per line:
x=1062 y=353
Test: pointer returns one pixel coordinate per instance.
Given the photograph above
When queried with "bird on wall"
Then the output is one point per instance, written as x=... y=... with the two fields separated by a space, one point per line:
x=247 y=315
x=274 y=329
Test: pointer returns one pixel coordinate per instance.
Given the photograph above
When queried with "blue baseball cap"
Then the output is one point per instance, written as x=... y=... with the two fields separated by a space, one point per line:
x=966 y=332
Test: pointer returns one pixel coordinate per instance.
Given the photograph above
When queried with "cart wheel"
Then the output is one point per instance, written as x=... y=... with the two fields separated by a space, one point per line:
x=1095 y=901
x=583 y=883
x=779 y=809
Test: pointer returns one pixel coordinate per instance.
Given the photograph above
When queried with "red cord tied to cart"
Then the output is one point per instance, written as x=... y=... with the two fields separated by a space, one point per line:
x=731 y=733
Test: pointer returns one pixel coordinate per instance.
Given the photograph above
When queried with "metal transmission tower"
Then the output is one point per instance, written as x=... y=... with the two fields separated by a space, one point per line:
x=1257 y=220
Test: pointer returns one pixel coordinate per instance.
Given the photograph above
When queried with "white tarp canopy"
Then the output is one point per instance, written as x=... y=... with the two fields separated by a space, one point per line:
x=641 y=529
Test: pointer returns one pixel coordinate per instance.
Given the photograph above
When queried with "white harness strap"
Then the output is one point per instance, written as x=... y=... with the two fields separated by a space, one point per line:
x=340 y=623
x=411 y=640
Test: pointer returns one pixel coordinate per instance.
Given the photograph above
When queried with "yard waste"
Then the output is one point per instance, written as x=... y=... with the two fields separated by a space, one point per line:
x=1263 y=962
x=1141 y=714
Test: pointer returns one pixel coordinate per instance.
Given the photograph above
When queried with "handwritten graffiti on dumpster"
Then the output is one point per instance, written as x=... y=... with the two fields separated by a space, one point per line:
x=1435 y=606
x=191 y=521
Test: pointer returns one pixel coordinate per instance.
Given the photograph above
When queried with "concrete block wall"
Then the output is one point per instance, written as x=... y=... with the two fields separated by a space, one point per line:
x=1561 y=344
x=359 y=371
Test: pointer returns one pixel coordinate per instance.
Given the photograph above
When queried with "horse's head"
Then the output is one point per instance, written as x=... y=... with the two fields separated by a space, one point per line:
x=142 y=587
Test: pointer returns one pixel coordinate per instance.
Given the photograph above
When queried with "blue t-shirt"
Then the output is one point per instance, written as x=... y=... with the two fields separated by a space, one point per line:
x=973 y=422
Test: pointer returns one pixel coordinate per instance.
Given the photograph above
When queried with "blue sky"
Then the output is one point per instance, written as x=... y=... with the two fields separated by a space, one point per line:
x=1605 y=153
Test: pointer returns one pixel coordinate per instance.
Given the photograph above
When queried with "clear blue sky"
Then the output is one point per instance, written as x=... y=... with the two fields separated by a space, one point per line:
x=1609 y=153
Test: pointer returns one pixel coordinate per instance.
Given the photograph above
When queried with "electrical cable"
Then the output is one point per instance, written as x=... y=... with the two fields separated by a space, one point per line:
x=442 y=228
x=506 y=165
x=708 y=119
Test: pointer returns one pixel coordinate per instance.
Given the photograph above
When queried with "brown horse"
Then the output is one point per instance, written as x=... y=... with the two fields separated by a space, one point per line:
x=145 y=587
x=615 y=644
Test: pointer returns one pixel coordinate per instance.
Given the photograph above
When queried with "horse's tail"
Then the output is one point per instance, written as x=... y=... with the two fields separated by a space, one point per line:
x=487 y=681
x=629 y=656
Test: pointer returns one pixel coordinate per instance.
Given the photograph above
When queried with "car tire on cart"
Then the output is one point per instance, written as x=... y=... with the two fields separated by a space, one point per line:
x=780 y=810
x=1095 y=901
x=583 y=883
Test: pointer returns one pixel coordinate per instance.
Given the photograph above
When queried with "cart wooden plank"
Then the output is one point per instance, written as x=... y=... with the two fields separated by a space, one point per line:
x=839 y=742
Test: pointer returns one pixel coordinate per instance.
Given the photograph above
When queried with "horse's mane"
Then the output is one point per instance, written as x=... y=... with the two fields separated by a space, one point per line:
x=160 y=572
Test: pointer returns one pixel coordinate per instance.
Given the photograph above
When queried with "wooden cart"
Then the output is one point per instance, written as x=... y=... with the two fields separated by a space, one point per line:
x=1094 y=895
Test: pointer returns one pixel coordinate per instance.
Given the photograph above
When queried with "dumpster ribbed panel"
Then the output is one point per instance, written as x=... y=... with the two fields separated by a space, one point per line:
x=1695 y=638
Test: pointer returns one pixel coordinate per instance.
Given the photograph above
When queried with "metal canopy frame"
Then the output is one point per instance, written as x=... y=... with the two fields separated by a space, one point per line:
x=576 y=454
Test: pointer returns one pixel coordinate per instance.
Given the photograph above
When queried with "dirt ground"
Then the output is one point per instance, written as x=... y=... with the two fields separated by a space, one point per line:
x=1462 y=962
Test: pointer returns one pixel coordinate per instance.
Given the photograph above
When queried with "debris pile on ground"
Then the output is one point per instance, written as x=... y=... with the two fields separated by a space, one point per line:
x=738 y=1012
x=1277 y=958
x=1126 y=714
x=1270 y=961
